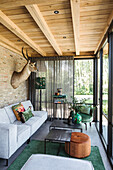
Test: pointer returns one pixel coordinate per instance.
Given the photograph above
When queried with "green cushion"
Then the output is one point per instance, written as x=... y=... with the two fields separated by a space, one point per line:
x=85 y=109
x=27 y=114
x=86 y=118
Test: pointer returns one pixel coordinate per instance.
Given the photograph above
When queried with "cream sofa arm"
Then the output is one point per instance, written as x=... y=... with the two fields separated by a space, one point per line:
x=8 y=140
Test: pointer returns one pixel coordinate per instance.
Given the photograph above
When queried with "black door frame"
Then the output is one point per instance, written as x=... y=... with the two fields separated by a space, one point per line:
x=110 y=97
x=109 y=147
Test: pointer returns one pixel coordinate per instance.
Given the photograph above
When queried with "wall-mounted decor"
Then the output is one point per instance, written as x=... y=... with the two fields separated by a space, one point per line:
x=40 y=83
x=18 y=77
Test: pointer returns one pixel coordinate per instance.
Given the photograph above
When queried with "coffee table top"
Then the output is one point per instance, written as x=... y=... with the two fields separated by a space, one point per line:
x=59 y=135
x=63 y=124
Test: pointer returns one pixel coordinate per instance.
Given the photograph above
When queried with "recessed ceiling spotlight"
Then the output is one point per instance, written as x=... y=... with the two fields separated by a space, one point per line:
x=56 y=12
x=64 y=37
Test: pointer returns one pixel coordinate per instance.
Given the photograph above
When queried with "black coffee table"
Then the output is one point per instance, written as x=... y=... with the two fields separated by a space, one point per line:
x=59 y=136
x=62 y=124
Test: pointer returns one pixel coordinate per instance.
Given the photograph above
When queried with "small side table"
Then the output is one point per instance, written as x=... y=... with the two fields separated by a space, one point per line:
x=59 y=99
x=58 y=136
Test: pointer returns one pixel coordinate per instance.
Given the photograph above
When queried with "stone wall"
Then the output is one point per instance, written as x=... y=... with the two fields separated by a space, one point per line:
x=10 y=62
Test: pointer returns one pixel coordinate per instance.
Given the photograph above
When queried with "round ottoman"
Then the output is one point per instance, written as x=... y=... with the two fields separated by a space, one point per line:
x=80 y=145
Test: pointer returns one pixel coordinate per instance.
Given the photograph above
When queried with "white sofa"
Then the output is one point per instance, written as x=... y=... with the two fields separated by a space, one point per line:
x=14 y=133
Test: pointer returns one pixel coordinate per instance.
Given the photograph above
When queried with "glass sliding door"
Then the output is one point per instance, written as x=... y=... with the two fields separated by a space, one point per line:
x=110 y=100
x=105 y=80
x=83 y=80
x=98 y=94
x=105 y=94
x=105 y=86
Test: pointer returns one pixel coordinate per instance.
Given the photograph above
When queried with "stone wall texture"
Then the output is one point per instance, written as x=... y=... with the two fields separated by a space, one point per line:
x=10 y=62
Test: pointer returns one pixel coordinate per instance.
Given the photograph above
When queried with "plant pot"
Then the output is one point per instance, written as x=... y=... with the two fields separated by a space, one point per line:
x=76 y=118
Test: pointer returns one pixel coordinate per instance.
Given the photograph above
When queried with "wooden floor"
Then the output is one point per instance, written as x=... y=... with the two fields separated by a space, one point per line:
x=42 y=132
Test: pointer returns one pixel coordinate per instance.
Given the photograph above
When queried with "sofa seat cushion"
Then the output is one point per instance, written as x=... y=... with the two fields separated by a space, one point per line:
x=23 y=133
x=34 y=123
x=16 y=122
x=3 y=116
x=42 y=115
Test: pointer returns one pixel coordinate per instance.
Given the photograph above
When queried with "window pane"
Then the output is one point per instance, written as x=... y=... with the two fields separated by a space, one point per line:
x=105 y=80
x=98 y=113
x=105 y=94
x=84 y=80
x=105 y=129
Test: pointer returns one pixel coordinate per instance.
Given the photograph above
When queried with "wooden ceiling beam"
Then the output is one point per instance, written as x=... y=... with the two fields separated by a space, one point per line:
x=105 y=31
x=75 y=10
x=84 y=56
x=3 y=44
x=8 y=4
x=40 y=21
x=10 y=44
x=18 y=32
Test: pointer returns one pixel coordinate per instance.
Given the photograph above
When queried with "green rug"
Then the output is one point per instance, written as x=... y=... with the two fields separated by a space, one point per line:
x=51 y=148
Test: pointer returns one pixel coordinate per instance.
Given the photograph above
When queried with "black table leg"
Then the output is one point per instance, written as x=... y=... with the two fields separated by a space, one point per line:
x=86 y=125
x=59 y=149
x=6 y=162
x=45 y=146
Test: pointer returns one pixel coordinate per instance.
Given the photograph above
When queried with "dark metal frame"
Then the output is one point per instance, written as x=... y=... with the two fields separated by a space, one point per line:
x=95 y=87
x=110 y=100
x=110 y=95
x=101 y=85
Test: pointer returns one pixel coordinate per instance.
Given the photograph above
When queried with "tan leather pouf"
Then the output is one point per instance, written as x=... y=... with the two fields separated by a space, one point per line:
x=80 y=145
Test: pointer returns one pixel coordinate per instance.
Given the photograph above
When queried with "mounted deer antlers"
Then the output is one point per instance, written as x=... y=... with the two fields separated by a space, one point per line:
x=18 y=77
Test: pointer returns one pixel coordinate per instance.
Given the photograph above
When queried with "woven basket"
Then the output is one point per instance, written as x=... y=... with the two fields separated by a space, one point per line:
x=80 y=145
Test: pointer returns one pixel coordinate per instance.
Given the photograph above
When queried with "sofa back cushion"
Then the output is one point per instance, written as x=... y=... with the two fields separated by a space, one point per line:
x=85 y=110
x=26 y=105
x=10 y=113
x=3 y=116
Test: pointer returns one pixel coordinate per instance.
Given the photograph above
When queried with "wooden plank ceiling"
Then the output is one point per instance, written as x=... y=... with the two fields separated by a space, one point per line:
x=77 y=29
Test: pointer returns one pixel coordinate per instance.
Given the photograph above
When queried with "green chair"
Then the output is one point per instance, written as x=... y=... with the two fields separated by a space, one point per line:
x=86 y=112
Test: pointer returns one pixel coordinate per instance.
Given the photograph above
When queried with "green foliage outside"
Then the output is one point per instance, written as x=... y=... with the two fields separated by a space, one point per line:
x=105 y=84
x=83 y=77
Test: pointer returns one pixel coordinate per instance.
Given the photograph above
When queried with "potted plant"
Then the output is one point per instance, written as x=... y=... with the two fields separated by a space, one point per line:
x=74 y=111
